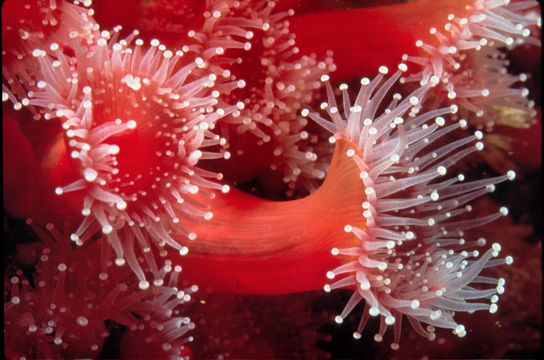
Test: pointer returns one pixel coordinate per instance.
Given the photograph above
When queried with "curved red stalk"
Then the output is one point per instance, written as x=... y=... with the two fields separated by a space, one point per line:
x=264 y=247
x=256 y=246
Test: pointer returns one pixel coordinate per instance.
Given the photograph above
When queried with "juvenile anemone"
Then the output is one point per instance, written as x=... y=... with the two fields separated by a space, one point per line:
x=260 y=60
x=64 y=309
x=119 y=100
x=488 y=94
x=468 y=61
x=456 y=47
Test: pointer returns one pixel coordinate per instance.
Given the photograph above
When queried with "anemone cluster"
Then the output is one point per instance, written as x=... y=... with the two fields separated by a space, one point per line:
x=208 y=149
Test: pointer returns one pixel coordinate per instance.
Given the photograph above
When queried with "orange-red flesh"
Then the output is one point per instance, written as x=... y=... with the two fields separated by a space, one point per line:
x=256 y=246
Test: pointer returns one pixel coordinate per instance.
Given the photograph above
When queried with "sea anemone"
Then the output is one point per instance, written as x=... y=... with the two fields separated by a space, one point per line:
x=260 y=69
x=463 y=48
x=146 y=142
x=408 y=251
x=425 y=270
x=64 y=309
x=29 y=32
x=110 y=91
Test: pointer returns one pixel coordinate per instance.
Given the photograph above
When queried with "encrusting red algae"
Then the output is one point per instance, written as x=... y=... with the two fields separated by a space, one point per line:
x=134 y=143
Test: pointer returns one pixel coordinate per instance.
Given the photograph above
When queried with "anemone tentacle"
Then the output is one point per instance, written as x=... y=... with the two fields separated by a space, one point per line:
x=258 y=65
x=119 y=99
x=62 y=310
x=67 y=23
x=467 y=61
x=413 y=259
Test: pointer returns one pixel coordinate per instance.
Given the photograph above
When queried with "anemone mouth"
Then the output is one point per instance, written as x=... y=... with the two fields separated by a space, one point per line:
x=142 y=138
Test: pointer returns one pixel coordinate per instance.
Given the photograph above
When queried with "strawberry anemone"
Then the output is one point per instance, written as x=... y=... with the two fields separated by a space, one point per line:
x=474 y=34
x=249 y=47
x=462 y=24
x=468 y=60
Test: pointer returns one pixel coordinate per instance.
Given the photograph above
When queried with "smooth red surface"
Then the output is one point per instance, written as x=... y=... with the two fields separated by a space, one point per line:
x=35 y=163
x=256 y=246
x=363 y=39
x=18 y=162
